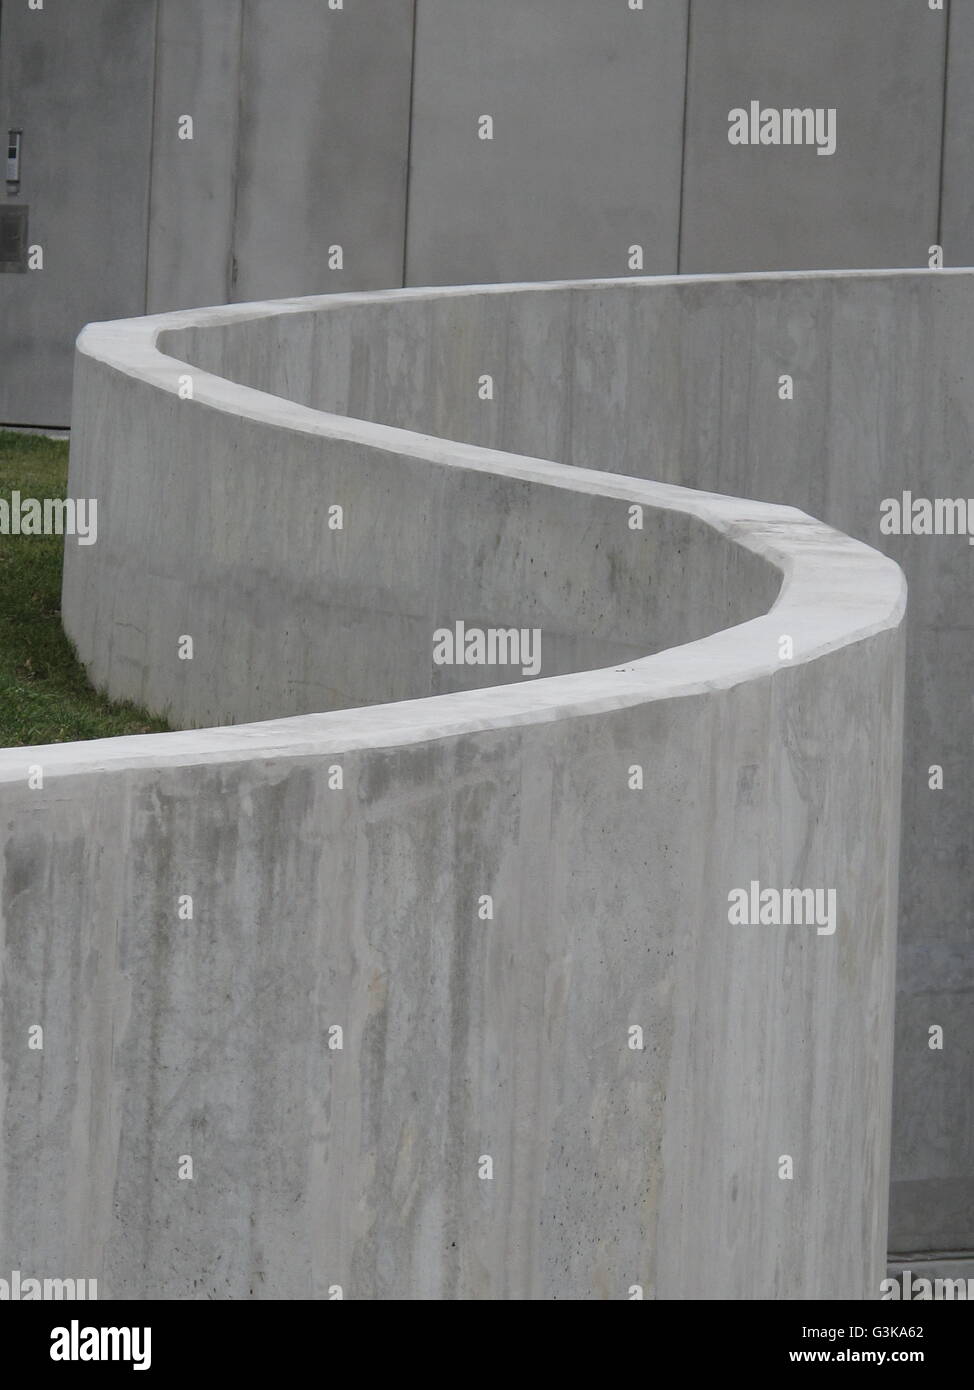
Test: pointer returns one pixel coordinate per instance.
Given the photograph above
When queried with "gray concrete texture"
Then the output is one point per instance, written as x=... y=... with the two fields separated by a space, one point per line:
x=679 y=380
x=189 y=258
x=587 y=104
x=322 y=160
x=464 y=1038
x=874 y=202
x=957 y=211
x=317 y=127
x=301 y=132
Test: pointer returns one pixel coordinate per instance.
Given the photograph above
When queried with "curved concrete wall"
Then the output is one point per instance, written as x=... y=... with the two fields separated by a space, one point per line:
x=681 y=380
x=468 y=1036
x=289 y=616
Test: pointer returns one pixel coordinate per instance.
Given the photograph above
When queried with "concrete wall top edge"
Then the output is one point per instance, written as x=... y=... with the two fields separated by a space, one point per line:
x=835 y=590
x=216 y=314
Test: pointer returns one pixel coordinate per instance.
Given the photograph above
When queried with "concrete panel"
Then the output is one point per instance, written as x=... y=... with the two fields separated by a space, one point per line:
x=323 y=146
x=316 y=906
x=78 y=80
x=193 y=181
x=587 y=104
x=874 y=202
x=957 y=212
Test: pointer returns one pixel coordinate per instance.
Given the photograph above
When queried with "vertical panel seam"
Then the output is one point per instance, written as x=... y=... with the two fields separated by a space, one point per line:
x=683 y=143
x=409 y=146
x=152 y=159
x=943 y=129
x=230 y=281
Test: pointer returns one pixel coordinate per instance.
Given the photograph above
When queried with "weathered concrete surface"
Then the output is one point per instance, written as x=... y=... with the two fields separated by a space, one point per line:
x=464 y=1038
x=679 y=380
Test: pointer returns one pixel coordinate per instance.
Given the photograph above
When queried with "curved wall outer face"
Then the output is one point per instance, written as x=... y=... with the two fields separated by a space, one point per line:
x=681 y=380
x=463 y=1038
x=467 y=1035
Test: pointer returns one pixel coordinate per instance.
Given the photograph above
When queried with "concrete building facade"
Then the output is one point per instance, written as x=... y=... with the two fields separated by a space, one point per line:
x=356 y=144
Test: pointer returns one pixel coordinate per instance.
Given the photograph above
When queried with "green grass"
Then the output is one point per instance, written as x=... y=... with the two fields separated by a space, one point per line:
x=45 y=696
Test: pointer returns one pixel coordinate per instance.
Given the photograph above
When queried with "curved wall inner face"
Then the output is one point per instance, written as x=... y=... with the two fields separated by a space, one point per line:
x=438 y=578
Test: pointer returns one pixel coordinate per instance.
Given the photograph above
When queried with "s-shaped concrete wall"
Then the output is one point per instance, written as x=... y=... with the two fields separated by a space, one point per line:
x=684 y=380
x=588 y=1084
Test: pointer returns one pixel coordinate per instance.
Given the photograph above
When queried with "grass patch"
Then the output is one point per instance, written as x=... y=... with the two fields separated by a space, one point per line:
x=45 y=696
